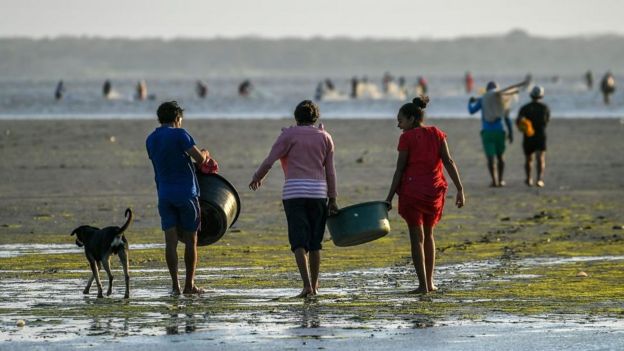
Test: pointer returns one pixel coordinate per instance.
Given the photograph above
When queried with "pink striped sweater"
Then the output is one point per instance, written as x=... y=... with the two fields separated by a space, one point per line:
x=307 y=157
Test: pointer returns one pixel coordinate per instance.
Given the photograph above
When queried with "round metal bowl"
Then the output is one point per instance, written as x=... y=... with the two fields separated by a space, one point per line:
x=220 y=206
x=358 y=224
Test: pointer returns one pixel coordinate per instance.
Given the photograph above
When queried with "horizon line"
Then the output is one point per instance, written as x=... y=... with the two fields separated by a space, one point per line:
x=511 y=32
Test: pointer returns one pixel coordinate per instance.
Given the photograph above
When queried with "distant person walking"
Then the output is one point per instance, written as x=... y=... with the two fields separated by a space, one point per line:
x=468 y=82
x=422 y=86
x=244 y=89
x=494 y=106
x=201 y=89
x=589 y=80
x=355 y=82
x=419 y=181
x=107 y=89
x=607 y=86
x=59 y=92
x=141 y=90
x=532 y=120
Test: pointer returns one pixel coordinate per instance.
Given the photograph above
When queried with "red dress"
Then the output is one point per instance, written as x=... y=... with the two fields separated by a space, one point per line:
x=423 y=186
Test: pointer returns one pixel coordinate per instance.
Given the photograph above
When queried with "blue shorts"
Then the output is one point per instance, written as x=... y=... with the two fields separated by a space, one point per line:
x=182 y=214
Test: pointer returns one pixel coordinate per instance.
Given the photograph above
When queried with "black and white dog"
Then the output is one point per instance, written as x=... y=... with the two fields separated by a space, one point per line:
x=99 y=245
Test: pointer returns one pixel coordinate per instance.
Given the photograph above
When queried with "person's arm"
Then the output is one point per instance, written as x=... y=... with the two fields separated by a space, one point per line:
x=278 y=150
x=452 y=171
x=200 y=156
x=396 y=179
x=330 y=176
x=514 y=89
x=474 y=105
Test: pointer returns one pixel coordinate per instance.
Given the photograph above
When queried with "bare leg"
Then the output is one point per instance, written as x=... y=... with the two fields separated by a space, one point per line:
x=492 y=169
x=301 y=257
x=541 y=166
x=528 y=169
x=106 y=264
x=418 y=256
x=171 y=255
x=430 y=256
x=190 y=261
x=501 y=169
x=315 y=266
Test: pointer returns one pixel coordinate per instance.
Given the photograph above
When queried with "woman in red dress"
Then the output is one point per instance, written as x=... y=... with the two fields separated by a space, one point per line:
x=420 y=184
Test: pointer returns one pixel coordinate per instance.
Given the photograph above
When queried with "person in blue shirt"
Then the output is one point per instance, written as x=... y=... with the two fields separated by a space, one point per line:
x=171 y=148
x=494 y=106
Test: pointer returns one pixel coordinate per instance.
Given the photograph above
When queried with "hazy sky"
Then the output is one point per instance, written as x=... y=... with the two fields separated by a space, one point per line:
x=295 y=18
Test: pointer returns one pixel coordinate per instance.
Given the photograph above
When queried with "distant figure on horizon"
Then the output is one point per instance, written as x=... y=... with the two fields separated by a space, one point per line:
x=607 y=86
x=589 y=80
x=422 y=86
x=354 y=87
x=385 y=82
x=494 y=106
x=201 y=89
x=141 y=90
x=329 y=85
x=60 y=90
x=529 y=79
x=244 y=89
x=107 y=88
x=532 y=120
x=319 y=91
x=468 y=82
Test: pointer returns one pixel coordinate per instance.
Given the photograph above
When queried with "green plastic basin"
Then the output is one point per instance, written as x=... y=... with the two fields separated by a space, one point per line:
x=358 y=224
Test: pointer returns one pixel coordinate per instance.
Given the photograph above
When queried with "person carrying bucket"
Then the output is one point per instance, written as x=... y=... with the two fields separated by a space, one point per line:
x=421 y=186
x=170 y=148
x=494 y=106
x=306 y=153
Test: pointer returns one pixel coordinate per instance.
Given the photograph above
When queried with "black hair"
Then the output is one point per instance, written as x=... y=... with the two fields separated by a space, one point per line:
x=416 y=108
x=307 y=112
x=169 y=111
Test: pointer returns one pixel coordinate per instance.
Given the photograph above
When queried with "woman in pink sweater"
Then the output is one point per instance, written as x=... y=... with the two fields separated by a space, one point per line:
x=306 y=153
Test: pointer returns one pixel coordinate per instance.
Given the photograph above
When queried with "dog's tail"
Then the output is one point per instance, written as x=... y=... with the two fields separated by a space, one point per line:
x=127 y=224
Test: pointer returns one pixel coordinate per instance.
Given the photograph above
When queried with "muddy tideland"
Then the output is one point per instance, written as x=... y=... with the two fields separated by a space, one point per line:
x=518 y=268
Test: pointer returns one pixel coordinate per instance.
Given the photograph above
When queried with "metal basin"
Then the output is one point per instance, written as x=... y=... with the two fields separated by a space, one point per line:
x=220 y=206
x=358 y=224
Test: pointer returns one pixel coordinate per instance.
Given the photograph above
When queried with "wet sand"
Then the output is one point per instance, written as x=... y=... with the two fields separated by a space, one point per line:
x=506 y=261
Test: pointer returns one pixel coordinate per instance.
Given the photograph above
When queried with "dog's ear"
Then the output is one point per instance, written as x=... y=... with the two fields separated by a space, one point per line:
x=75 y=231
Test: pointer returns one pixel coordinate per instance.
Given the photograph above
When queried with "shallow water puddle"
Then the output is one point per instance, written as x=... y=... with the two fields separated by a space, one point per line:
x=357 y=302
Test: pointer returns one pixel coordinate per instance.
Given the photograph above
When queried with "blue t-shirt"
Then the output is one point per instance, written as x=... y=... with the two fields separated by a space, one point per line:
x=485 y=125
x=173 y=168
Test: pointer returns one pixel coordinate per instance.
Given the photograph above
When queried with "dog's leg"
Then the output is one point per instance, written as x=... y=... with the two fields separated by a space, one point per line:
x=123 y=258
x=88 y=287
x=106 y=264
x=96 y=275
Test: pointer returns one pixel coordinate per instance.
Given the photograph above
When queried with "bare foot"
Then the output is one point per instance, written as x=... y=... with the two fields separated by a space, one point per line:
x=305 y=293
x=501 y=184
x=529 y=182
x=194 y=290
x=540 y=183
x=418 y=291
x=433 y=288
